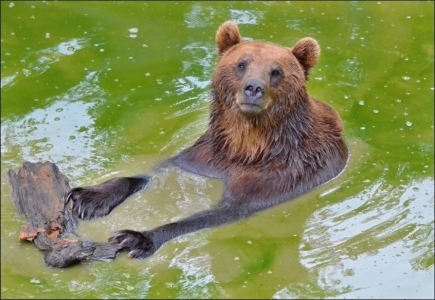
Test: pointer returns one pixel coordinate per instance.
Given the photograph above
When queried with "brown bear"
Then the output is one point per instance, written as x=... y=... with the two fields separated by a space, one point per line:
x=267 y=139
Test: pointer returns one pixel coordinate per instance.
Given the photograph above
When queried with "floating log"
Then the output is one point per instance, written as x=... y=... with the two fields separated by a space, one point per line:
x=38 y=192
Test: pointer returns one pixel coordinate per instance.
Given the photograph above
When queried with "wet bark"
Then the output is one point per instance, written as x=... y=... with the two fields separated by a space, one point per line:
x=38 y=192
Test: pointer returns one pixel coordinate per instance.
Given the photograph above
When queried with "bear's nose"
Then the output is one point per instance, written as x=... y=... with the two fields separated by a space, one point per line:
x=254 y=88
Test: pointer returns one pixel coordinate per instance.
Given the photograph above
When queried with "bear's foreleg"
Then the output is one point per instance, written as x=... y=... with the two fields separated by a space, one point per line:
x=99 y=200
x=145 y=243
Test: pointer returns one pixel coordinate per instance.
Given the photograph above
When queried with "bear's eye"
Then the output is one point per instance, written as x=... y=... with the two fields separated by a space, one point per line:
x=241 y=66
x=276 y=73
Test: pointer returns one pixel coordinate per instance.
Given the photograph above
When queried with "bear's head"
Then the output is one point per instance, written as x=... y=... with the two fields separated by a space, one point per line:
x=255 y=77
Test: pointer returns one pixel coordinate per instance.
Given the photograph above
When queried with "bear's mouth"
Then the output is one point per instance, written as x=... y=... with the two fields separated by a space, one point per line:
x=250 y=108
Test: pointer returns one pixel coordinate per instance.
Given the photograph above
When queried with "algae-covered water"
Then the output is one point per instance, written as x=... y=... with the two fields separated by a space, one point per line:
x=107 y=89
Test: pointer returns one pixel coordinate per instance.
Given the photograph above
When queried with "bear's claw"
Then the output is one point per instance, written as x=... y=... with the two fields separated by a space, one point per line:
x=139 y=243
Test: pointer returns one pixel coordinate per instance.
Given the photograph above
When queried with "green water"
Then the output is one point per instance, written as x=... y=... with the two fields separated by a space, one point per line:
x=79 y=89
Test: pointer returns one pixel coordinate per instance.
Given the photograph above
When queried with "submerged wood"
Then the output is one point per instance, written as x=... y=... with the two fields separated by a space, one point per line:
x=38 y=192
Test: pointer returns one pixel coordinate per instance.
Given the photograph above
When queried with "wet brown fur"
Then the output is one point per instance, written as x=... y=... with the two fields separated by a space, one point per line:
x=290 y=148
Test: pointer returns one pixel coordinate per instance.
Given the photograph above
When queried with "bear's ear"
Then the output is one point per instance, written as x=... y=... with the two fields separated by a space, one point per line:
x=307 y=52
x=227 y=36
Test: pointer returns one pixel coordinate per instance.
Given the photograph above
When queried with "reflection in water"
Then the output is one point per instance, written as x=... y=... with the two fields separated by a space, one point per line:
x=202 y=59
x=199 y=16
x=194 y=90
x=196 y=272
x=8 y=80
x=58 y=131
x=199 y=68
x=41 y=60
x=352 y=247
x=245 y=16
x=188 y=134
x=353 y=73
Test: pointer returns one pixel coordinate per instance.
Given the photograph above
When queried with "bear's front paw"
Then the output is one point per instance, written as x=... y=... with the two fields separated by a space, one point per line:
x=89 y=203
x=140 y=243
x=99 y=200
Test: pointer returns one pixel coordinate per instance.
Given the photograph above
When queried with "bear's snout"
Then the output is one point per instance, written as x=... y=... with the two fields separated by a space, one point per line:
x=252 y=99
x=254 y=89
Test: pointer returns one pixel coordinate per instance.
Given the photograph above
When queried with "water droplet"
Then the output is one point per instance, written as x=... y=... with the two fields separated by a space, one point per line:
x=362 y=128
x=47 y=35
x=408 y=123
x=133 y=30
x=361 y=102
x=101 y=50
x=26 y=72
x=12 y=4
x=406 y=77
x=375 y=111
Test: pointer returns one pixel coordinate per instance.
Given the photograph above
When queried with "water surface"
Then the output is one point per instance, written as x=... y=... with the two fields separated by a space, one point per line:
x=108 y=89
